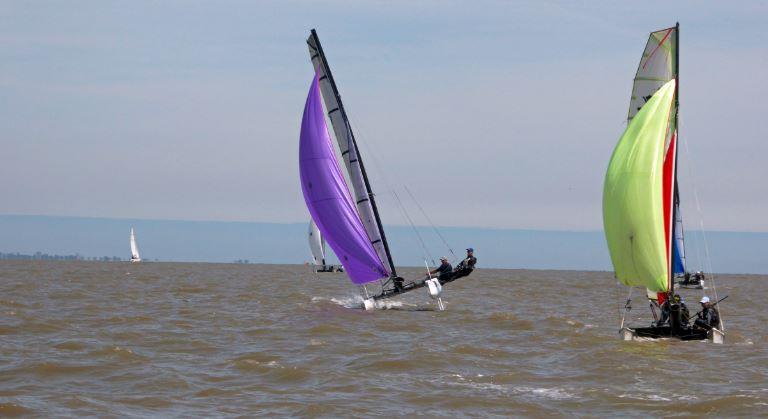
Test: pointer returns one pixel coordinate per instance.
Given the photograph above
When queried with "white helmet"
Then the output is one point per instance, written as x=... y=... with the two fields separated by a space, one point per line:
x=704 y=299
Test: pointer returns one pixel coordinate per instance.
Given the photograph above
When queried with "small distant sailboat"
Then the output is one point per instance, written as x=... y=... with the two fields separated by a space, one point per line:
x=352 y=227
x=134 y=249
x=317 y=249
x=679 y=265
x=641 y=216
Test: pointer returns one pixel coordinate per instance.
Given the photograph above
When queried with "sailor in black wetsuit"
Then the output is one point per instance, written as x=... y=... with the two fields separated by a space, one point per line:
x=685 y=315
x=708 y=316
x=466 y=266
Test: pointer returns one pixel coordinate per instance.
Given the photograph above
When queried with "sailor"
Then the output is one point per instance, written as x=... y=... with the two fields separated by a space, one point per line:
x=664 y=306
x=443 y=271
x=399 y=283
x=698 y=277
x=466 y=266
x=686 y=278
x=685 y=315
x=707 y=318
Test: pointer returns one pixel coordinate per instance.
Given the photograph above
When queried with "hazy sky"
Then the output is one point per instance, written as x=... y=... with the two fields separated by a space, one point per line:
x=496 y=114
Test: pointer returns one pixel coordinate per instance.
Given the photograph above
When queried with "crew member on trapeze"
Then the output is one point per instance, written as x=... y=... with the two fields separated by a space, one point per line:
x=466 y=266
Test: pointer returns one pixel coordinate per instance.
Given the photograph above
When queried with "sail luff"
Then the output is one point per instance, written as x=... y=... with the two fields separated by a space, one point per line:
x=364 y=197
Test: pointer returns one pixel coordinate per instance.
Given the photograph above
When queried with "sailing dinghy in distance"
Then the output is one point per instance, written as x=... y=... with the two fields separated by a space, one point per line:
x=134 y=249
x=640 y=196
x=347 y=218
x=317 y=249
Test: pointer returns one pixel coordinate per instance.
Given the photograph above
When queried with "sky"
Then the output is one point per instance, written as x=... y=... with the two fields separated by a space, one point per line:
x=494 y=114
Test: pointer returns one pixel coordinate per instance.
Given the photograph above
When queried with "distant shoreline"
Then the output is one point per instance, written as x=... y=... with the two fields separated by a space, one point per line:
x=96 y=260
x=55 y=257
x=71 y=238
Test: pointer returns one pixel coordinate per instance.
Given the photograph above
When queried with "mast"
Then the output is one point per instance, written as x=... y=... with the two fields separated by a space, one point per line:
x=677 y=139
x=370 y=195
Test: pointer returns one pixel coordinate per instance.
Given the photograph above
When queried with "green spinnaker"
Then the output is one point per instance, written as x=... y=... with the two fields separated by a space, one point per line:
x=633 y=213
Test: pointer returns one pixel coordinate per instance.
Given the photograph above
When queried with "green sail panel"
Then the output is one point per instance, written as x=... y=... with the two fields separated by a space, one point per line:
x=633 y=213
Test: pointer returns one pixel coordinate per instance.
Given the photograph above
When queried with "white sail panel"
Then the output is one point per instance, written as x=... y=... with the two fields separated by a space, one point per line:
x=657 y=67
x=316 y=244
x=343 y=134
x=134 y=247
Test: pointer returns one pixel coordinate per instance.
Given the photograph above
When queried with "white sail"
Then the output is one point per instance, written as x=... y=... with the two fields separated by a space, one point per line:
x=316 y=244
x=657 y=67
x=345 y=140
x=134 y=249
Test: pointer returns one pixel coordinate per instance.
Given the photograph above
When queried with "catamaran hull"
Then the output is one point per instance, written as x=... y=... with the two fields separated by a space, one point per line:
x=690 y=285
x=135 y=260
x=649 y=333
x=434 y=289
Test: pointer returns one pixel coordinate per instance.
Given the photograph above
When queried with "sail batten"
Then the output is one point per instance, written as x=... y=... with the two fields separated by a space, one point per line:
x=328 y=198
x=361 y=190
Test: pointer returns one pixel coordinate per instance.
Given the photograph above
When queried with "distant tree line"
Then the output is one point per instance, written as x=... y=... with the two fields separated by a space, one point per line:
x=46 y=256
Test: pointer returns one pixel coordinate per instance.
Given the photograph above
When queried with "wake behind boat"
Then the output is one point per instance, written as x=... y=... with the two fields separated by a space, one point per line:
x=641 y=200
x=352 y=228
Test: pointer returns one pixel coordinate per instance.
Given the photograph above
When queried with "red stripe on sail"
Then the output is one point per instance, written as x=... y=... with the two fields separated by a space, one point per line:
x=668 y=185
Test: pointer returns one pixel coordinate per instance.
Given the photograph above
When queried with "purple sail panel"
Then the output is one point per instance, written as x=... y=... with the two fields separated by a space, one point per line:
x=328 y=198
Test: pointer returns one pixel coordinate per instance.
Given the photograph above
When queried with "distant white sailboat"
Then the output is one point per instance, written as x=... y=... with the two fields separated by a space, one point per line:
x=134 y=249
x=317 y=248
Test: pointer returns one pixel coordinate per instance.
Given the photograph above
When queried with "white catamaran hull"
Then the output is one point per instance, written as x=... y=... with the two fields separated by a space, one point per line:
x=629 y=334
x=434 y=289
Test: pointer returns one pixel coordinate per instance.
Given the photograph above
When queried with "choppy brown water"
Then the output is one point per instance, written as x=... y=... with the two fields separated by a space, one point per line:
x=163 y=339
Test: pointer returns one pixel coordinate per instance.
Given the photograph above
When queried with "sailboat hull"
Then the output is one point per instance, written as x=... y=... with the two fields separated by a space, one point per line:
x=328 y=268
x=690 y=287
x=665 y=332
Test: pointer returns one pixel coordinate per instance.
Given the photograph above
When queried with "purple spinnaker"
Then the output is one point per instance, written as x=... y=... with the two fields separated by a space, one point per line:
x=328 y=198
